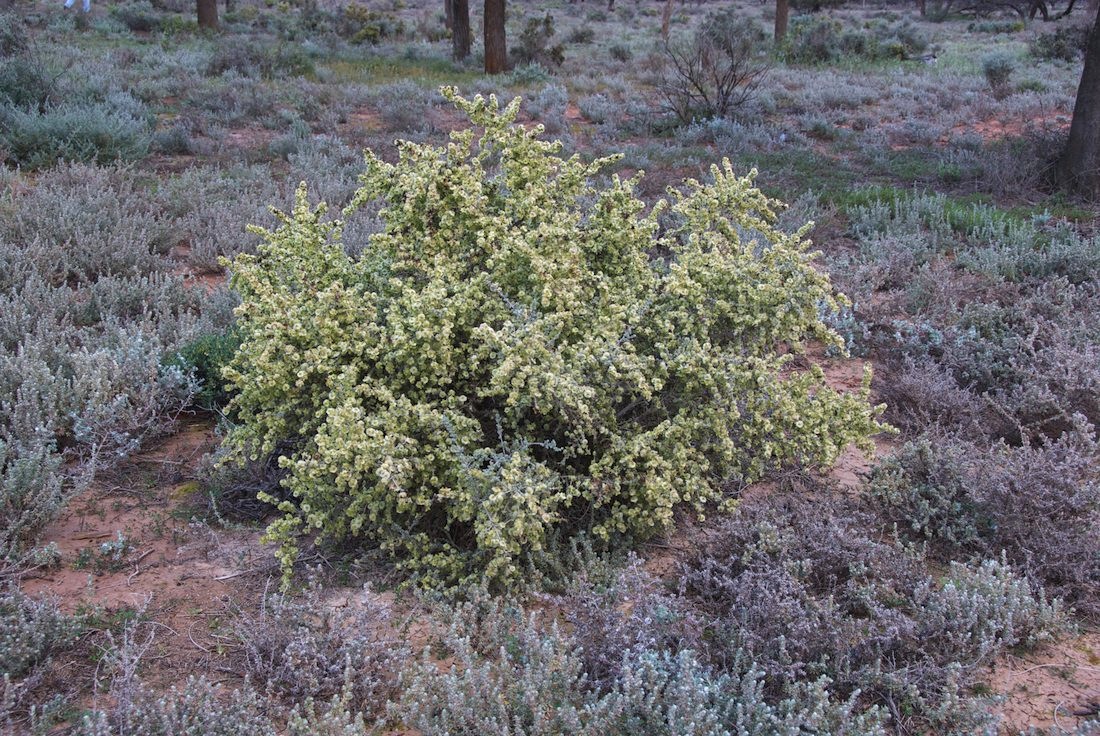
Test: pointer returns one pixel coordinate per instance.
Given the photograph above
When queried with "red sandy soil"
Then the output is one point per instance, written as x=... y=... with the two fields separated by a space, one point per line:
x=207 y=281
x=1058 y=685
x=247 y=139
x=991 y=130
x=182 y=574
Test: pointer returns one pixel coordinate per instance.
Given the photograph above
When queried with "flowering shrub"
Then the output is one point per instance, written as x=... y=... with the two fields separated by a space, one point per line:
x=520 y=355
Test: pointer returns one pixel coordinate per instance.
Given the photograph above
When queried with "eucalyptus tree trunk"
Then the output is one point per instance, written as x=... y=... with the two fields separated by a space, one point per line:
x=1079 y=165
x=496 y=47
x=207 y=13
x=782 y=12
x=460 y=28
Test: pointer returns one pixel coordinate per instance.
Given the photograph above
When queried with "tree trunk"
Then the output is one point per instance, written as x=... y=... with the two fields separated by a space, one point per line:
x=449 y=14
x=666 y=19
x=460 y=28
x=207 y=13
x=496 y=47
x=1079 y=166
x=782 y=12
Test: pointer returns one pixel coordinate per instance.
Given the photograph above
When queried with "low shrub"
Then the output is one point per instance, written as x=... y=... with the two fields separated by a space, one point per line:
x=717 y=71
x=360 y=24
x=31 y=486
x=812 y=40
x=535 y=44
x=528 y=74
x=581 y=35
x=599 y=109
x=88 y=317
x=1030 y=359
x=995 y=26
x=204 y=358
x=821 y=40
x=174 y=141
x=13 y=36
x=538 y=372
x=140 y=17
x=100 y=132
x=547 y=106
x=211 y=206
x=807 y=589
x=25 y=84
x=512 y=675
x=30 y=630
x=1067 y=43
x=620 y=52
x=998 y=69
x=1039 y=505
x=193 y=708
x=614 y=613
x=254 y=59
x=304 y=647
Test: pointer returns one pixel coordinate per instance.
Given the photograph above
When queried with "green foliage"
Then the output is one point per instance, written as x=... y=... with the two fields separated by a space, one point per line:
x=204 y=358
x=819 y=40
x=998 y=70
x=535 y=43
x=507 y=361
x=1067 y=43
x=359 y=24
x=24 y=83
x=140 y=17
x=100 y=132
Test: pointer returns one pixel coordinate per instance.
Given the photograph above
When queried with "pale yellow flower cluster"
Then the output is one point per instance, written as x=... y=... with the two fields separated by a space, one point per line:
x=522 y=356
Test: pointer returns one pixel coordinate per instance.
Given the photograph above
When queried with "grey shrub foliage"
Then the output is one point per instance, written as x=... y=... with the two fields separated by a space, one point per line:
x=807 y=589
x=193 y=709
x=30 y=630
x=511 y=675
x=300 y=647
x=996 y=342
x=30 y=493
x=211 y=207
x=46 y=117
x=1038 y=505
x=90 y=307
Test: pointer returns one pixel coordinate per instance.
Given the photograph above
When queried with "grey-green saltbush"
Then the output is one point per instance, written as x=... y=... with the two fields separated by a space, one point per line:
x=509 y=675
x=98 y=132
x=998 y=70
x=29 y=631
x=88 y=314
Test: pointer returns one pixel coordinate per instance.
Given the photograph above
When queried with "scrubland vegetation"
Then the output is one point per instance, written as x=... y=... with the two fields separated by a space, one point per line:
x=529 y=427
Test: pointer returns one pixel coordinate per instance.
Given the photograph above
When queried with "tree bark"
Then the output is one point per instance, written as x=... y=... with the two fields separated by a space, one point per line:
x=449 y=14
x=666 y=20
x=207 y=13
x=496 y=47
x=1079 y=165
x=782 y=12
x=460 y=28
